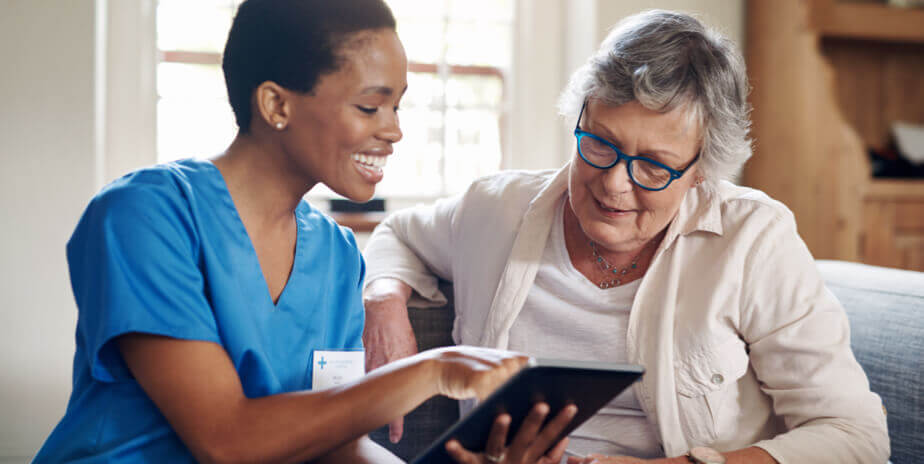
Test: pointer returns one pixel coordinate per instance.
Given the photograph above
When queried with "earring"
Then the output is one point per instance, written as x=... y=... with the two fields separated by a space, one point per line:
x=279 y=125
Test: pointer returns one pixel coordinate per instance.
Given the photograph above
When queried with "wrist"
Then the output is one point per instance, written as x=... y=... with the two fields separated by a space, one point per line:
x=382 y=291
x=432 y=372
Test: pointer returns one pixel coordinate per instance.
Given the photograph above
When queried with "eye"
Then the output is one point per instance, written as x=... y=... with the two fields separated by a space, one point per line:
x=368 y=109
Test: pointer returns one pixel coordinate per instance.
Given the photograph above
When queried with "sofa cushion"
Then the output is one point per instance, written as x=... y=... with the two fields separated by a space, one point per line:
x=886 y=312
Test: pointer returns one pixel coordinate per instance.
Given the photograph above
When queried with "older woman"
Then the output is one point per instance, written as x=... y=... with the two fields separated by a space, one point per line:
x=638 y=250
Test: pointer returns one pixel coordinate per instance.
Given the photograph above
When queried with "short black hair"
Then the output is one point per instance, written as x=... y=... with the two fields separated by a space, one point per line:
x=292 y=43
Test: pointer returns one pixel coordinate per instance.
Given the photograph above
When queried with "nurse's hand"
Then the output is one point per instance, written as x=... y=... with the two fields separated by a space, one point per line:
x=387 y=335
x=472 y=372
x=528 y=446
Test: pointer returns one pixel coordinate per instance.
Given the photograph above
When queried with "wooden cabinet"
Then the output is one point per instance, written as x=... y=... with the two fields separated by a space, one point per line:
x=828 y=78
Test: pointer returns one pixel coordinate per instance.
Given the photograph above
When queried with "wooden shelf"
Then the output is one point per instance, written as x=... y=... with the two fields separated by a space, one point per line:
x=869 y=21
x=359 y=222
x=911 y=189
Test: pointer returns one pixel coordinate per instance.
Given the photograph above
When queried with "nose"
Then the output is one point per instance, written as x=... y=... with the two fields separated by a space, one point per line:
x=391 y=129
x=616 y=179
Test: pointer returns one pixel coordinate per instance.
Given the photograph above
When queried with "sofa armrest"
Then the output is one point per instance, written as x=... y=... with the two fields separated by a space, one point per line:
x=433 y=328
x=885 y=308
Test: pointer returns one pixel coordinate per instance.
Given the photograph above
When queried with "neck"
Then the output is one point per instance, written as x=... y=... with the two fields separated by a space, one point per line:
x=579 y=245
x=262 y=181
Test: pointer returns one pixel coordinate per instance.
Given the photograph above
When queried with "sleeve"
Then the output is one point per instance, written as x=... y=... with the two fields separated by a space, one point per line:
x=355 y=301
x=414 y=246
x=133 y=266
x=799 y=341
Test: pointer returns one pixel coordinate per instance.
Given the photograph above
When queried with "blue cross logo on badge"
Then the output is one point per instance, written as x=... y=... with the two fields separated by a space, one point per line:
x=322 y=363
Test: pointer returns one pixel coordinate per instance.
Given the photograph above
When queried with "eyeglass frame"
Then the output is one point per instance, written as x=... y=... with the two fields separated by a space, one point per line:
x=674 y=173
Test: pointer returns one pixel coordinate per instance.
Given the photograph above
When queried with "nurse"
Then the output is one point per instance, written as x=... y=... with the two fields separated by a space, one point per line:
x=220 y=315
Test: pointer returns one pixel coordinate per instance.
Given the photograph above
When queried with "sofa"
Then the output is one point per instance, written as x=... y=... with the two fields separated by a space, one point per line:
x=886 y=312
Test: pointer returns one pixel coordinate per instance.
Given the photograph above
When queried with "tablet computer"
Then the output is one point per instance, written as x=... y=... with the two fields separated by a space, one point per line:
x=589 y=385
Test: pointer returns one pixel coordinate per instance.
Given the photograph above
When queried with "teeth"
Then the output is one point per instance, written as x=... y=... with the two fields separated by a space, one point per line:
x=370 y=160
x=374 y=163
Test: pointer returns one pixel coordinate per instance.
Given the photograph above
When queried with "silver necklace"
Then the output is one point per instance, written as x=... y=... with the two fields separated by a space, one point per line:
x=605 y=266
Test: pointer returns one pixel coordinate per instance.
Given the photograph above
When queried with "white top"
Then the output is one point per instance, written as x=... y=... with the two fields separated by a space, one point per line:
x=566 y=316
x=742 y=343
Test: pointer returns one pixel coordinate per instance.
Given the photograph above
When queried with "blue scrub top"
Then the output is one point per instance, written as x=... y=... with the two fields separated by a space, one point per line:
x=163 y=251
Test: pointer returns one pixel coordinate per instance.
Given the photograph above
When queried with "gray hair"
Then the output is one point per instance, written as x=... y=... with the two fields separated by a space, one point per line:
x=665 y=60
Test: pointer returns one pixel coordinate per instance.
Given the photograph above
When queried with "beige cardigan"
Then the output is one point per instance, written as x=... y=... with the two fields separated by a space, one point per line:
x=741 y=342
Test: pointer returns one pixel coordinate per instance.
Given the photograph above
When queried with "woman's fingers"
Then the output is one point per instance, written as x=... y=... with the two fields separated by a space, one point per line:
x=527 y=432
x=555 y=454
x=551 y=431
x=460 y=454
x=498 y=437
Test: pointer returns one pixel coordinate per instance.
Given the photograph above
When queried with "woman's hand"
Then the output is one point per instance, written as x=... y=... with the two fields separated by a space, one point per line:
x=387 y=335
x=528 y=446
x=600 y=459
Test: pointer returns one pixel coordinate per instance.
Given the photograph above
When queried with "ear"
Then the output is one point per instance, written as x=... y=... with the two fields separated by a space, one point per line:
x=273 y=104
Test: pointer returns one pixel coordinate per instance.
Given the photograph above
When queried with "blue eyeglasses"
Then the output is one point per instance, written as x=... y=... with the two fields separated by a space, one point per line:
x=644 y=172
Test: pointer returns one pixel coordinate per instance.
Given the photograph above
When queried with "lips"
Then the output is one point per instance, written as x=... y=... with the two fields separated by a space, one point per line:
x=370 y=166
x=608 y=209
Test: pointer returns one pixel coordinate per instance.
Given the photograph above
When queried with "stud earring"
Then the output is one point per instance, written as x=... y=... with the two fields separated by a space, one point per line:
x=280 y=125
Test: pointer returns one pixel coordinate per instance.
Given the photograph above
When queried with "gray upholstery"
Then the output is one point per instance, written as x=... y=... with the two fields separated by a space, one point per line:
x=886 y=312
x=433 y=328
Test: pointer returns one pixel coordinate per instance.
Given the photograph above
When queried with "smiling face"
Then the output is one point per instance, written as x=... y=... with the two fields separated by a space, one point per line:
x=612 y=211
x=342 y=132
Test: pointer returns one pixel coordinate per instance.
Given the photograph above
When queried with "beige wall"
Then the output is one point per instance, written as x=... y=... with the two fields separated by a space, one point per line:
x=51 y=163
x=48 y=172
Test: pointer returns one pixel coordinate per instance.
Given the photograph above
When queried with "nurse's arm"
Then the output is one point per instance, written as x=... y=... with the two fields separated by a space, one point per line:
x=196 y=387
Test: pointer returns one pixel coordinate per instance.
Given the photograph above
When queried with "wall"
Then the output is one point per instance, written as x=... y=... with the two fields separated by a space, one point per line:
x=47 y=151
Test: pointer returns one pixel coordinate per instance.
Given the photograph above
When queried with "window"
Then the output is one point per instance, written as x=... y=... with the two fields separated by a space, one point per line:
x=459 y=53
x=193 y=114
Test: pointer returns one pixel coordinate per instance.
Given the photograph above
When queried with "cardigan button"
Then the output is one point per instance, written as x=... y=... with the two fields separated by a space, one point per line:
x=717 y=379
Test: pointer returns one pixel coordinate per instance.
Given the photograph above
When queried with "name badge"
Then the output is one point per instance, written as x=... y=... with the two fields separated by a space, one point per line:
x=333 y=368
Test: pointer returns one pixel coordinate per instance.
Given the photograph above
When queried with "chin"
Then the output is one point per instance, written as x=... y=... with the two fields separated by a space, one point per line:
x=357 y=195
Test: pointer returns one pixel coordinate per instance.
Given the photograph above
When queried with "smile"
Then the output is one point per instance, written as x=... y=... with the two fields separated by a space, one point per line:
x=612 y=212
x=370 y=166
x=373 y=162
